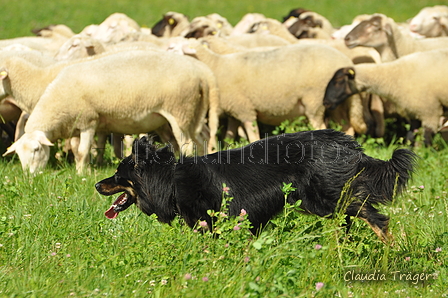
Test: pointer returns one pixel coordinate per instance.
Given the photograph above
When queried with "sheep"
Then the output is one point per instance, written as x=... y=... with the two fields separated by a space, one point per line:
x=312 y=25
x=49 y=39
x=257 y=40
x=221 y=23
x=127 y=92
x=116 y=28
x=45 y=45
x=274 y=85
x=171 y=24
x=294 y=14
x=431 y=21
x=52 y=30
x=82 y=46
x=222 y=45
x=410 y=82
x=246 y=23
x=24 y=77
x=212 y=24
x=350 y=115
x=26 y=81
x=344 y=30
x=274 y=27
x=202 y=26
x=383 y=34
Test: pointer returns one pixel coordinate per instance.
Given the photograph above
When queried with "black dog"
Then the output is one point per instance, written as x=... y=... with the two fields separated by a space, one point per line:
x=317 y=163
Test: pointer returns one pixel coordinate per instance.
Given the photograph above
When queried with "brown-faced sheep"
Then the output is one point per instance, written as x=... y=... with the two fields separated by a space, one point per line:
x=383 y=34
x=412 y=83
x=171 y=24
x=128 y=92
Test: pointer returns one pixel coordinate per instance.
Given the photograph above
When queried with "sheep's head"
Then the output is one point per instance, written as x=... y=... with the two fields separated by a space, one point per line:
x=430 y=22
x=373 y=32
x=33 y=151
x=341 y=86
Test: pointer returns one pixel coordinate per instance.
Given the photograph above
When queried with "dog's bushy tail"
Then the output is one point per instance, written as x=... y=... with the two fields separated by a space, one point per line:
x=381 y=181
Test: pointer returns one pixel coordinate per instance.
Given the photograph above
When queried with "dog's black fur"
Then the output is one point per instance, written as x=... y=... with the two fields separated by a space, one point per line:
x=317 y=163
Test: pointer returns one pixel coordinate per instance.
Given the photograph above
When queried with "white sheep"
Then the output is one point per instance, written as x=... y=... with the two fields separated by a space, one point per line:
x=26 y=80
x=313 y=25
x=116 y=28
x=246 y=22
x=257 y=40
x=383 y=34
x=212 y=24
x=414 y=83
x=431 y=21
x=54 y=30
x=128 y=92
x=45 y=45
x=274 y=85
x=82 y=46
x=269 y=27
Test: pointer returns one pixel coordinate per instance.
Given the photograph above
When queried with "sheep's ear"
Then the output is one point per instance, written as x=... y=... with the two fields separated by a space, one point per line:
x=443 y=21
x=376 y=21
x=167 y=148
x=350 y=72
x=11 y=150
x=3 y=73
x=188 y=50
x=44 y=141
x=388 y=29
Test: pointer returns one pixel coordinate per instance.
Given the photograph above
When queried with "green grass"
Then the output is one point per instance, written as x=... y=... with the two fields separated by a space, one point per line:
x=55 y=241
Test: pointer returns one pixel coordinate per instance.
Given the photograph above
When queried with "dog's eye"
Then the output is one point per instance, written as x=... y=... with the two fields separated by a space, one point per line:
x=117 y=178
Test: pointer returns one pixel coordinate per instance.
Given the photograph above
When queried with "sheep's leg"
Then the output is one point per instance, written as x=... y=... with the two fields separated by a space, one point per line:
x=252 y=132
x=128 y=140
x=314 y=111
x=72 y=144
x=186 y=145
x=355 y=116
x=213 y=124
x=85 y=143
x=117 y=143
x=377 y=109
x=101 y=146
x=232 y=127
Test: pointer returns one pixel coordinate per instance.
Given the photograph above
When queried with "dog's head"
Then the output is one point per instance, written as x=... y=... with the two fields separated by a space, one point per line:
x=129 y=176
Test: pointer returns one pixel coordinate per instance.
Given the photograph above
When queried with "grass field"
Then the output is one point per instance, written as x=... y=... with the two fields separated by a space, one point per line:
x=56 y=242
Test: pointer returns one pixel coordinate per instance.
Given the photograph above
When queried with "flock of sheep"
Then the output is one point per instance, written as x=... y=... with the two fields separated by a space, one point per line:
x=183 y=79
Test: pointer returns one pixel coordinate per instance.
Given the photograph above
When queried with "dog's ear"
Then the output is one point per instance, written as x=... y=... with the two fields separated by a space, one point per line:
x=143 y=145
x=167 y=148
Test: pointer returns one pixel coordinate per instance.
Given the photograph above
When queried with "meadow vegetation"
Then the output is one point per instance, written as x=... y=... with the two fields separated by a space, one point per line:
x=56 y=242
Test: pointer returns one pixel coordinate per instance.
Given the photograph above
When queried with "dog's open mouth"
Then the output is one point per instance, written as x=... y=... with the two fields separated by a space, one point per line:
x=121 y=203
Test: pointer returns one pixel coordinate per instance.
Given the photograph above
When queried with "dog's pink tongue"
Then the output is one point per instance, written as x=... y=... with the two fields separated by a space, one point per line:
x=110 y=213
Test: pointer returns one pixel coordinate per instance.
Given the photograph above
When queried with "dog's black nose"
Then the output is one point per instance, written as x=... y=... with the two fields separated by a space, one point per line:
x=98 y=186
